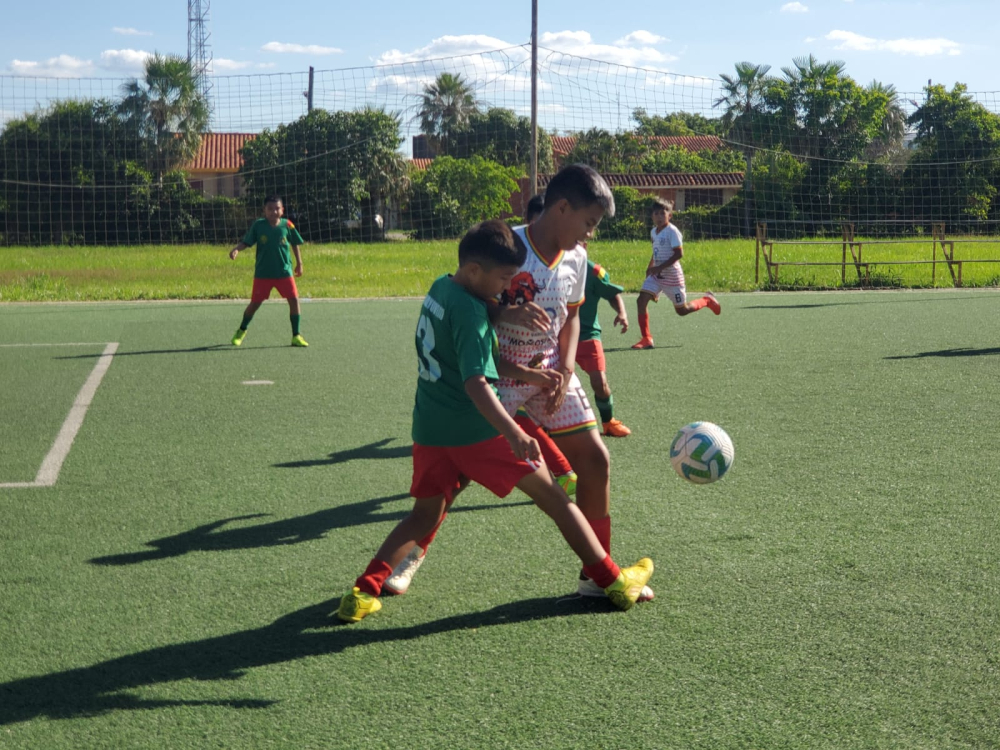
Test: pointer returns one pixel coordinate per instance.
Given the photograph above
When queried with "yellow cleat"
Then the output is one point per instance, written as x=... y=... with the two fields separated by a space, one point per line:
x=297 y=340
x=626 y=591
x=239 y=336
x=357 y=605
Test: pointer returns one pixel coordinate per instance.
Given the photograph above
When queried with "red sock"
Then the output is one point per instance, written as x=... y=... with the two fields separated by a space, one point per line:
x=698 y=303
x=554 y=457
x=644 y=325
x=603 y=573
x=602 y=528
x=374 y=576
x=426 y=541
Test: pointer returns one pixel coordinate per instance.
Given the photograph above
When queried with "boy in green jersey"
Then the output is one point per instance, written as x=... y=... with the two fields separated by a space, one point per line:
x=273 y=236
x=462 y=433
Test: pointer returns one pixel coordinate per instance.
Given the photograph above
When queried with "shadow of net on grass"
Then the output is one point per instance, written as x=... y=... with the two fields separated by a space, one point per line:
x=103 y=687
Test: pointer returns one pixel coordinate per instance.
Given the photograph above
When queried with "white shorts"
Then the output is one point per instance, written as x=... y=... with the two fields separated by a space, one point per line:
x=656 y=286
x=575 y=414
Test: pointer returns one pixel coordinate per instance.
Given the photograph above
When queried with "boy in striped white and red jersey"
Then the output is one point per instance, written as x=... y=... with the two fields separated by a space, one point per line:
x=665 y=275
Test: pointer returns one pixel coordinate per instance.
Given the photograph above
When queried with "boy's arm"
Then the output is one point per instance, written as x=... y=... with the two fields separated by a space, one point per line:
x=296 y=251
x=545 y=378
x=618 y=303
x=675 y=256
x=569 y=337
x=530 y=316
x=236 y=250
x=486 y=401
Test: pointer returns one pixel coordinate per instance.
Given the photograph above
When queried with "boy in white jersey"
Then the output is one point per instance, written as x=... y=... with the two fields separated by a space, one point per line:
x=553 y=278
x=665 y=275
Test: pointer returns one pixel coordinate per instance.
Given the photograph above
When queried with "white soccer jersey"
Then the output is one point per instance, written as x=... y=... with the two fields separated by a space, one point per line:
x=664 y=243
x=554 y=287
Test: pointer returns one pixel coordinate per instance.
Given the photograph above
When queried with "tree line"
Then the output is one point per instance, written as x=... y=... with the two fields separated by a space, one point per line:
x=816 y=148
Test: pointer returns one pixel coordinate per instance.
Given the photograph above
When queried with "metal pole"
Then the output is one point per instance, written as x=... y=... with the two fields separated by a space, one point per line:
x=309 y=95
x=534 y=97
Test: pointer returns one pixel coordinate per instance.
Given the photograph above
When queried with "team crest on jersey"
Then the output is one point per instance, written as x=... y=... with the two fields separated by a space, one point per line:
x=523 y=289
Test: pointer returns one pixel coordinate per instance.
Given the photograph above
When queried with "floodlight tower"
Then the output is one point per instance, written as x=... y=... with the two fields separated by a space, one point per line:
x=199 y=51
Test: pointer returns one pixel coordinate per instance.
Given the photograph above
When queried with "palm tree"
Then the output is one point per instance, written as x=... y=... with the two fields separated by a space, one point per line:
x=447 y=105
x=744 y=96
x=893 y=125
x=167 y=111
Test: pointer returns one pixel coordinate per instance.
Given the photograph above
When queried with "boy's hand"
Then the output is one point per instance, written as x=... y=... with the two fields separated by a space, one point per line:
x=558 y=395
x=233 y=253
x=298 y=269
x=530 y=316
x=547 y=379
x=622 y=320
x=524 y=446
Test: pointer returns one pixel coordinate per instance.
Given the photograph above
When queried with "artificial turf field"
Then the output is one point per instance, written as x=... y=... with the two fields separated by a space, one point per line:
x=174 y=587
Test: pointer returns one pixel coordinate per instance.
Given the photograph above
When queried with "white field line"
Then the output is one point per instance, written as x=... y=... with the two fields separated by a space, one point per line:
x=48 y=473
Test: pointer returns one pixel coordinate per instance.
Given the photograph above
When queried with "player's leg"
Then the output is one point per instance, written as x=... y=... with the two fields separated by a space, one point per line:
x=590 y=359
x=650 y=292
x=290 y=292
x=260 y=292
x=554 y=459
x=398 y=583
x=682 y=307
x=623 y=587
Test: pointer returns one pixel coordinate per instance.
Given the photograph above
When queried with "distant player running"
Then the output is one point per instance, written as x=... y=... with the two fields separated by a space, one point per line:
x=664 y=274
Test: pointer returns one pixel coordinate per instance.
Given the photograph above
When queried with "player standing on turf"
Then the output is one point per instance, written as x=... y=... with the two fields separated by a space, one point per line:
x=273 y=236
x=664 y=274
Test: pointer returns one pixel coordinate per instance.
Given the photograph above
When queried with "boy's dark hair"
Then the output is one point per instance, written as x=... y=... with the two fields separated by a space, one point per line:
x=272 y=199
x=582 y=186
x=663 y=203
x=491 y=244
x=535 y=206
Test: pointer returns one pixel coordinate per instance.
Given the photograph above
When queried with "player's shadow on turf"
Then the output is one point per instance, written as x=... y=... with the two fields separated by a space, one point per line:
x=211 y=348
x=372 y=450
x=960 y=352
x=212 y=537
x=609 y=349
x=105 y=686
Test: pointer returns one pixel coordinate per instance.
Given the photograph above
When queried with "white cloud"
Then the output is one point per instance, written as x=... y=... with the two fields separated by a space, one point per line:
x=794 y=8
x=920 y=47
x=225 y=65
x=445 y=46
x=130 y=61
x=641 y=37
x=129 y=31
x=61 y=66
x=581 y=44
x=809 y=39
x=300 y=49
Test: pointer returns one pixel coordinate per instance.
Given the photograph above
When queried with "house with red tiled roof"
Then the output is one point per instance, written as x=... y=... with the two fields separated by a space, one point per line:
x=215 y=168
x=685 y=189
x=563 y=144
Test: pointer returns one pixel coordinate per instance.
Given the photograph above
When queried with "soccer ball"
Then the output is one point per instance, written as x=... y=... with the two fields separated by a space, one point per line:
x=701 y=452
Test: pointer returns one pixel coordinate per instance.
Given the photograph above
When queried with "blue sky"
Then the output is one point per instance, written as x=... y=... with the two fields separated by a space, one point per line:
x=899 y=42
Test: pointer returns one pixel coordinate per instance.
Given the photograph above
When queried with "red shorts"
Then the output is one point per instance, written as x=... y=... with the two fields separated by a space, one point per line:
x=262 y=288
x=491 y=463
x=590 y=355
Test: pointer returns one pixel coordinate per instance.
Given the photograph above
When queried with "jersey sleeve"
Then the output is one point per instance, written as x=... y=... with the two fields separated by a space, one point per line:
x=250 y=238
x=600 y=284
x=473 y=340
x=676 y=238
x=294 y=237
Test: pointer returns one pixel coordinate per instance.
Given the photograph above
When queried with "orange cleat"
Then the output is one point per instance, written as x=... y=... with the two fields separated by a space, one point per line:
x=614 y=428
x=713 y=303
x=645 y=342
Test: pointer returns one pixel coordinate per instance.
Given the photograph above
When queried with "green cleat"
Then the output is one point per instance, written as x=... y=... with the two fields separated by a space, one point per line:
x=238 y=336
x=357 y=605
x=626 y=591
x=297 y=340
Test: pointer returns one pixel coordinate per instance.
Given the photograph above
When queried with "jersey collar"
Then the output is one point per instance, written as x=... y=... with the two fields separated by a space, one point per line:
x=531 y=244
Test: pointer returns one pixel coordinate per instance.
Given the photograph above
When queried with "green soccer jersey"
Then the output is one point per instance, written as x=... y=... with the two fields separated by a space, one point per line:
x=274 y=247
x=598 y=287
x=455 y=342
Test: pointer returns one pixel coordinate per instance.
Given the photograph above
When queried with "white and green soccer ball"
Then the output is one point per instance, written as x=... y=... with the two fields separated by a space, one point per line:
x=701 y=452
